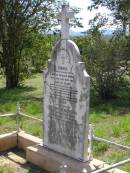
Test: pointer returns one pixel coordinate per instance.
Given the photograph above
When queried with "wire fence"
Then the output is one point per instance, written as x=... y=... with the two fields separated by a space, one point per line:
x=91 y=138
x=18 y=116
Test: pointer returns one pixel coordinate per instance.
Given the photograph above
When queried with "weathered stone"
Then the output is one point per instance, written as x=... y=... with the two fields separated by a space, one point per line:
x=51 y=161
x=64 y=16
x=66 y=102
x=66 y=97
x=42 y=157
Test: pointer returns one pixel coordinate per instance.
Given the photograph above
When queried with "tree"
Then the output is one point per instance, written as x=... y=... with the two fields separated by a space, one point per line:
x=107 y=62
x=38 y=51
x=17 y=19
x=119 y=10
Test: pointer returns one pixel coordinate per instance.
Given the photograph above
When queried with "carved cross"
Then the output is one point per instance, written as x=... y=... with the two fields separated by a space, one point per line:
x=64 y=17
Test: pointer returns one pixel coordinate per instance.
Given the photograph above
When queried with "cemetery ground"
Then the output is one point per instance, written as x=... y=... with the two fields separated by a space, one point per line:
x=14 y=162
x=111 y=119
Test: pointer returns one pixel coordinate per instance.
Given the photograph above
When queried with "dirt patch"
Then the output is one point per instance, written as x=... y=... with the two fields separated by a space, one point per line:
x=124 y=112
x=13 y=161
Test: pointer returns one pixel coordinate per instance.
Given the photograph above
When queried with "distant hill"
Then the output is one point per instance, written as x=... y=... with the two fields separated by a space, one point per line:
x=107 y=33
x=76 y=34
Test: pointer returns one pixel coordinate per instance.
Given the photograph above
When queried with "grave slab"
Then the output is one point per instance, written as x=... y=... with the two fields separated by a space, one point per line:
x=44 y=158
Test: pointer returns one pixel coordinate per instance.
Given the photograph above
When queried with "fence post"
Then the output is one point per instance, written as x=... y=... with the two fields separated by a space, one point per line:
x=18 y=119
x=90 y=139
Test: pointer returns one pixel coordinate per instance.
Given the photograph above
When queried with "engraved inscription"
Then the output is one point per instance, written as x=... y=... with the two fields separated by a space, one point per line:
x=64 y=133
x=63 y=128
x=66 y=102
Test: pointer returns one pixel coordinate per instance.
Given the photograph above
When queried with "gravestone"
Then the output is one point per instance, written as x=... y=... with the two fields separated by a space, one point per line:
x=66 y=97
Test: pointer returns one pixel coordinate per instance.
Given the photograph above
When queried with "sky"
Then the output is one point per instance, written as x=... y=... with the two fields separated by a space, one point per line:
x=86 y=14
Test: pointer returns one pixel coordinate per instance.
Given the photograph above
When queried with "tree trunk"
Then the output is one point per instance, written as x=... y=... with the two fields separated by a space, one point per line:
x=11 y=79
x=10 y=64
x=124 y=27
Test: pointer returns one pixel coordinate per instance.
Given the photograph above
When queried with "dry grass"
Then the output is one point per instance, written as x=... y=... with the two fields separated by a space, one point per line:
x=7 y=168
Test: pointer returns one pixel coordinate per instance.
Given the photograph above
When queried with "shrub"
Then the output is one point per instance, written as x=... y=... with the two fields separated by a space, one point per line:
x=106 y=62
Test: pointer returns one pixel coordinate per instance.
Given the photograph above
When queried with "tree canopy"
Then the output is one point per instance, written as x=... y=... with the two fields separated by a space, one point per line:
x=17 y=19
x=23 y=22
x=119 y=9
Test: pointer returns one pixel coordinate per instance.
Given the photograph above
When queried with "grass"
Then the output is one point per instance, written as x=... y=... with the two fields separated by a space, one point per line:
x=111 y=119
x=7 y=168
x=30 y=96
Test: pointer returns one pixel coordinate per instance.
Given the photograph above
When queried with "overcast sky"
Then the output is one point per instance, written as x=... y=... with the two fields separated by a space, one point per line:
x=85 y=14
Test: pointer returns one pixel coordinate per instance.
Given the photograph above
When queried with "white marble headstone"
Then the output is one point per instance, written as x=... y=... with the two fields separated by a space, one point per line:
x=66 y=101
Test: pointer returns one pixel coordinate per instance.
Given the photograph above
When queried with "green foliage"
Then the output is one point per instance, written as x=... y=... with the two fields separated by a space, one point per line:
x=38 y=51
x=18 y=19
x=35 y=128
x=24 y=40
x=100 y=147
x=30 y=98
x=116 y=130
x=106 y=62
x=105 y=115
x=118 y=8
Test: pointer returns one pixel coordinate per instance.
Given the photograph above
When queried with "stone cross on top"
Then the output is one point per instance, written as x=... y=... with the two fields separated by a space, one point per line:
x=64 y=17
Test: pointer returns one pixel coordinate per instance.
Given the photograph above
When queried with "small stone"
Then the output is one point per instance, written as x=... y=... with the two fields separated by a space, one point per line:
x=84 y=171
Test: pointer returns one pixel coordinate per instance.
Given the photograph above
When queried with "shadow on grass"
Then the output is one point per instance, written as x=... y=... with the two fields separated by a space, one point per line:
x=17 y=94
x=120 y=105
x=30 y=100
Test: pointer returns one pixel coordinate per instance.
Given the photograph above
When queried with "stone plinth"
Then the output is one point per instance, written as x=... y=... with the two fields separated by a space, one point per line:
x=51 y=161
x=47 y=159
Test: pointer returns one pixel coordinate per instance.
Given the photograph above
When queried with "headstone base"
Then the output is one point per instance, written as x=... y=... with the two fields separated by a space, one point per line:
x=51 y=161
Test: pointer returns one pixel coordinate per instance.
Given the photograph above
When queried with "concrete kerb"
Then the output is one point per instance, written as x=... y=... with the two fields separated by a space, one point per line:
x=8 y=141
x=21 y=140
x=44 y=158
